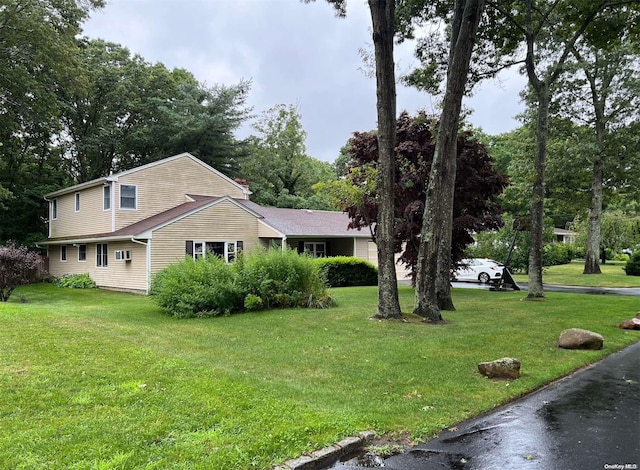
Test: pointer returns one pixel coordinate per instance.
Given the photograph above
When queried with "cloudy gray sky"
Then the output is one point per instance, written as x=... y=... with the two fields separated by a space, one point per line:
x=294 y=53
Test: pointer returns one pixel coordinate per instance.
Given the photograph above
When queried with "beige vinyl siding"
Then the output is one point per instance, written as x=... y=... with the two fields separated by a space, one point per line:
x=121 y=275
x=264 y=231
x=165 y=185
x=124 y=275
x=221 y=222
x=366 y=249
x=91 y=218
x=402 y=272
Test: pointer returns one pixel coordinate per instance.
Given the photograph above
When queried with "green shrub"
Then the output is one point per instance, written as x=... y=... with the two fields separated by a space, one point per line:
x=345 y=271
x=621 y=257
x=579 y=251
x=253 y=302
x=609 y=254
x=257 y=280
x=280 y=278
x=198 y=288
x=556 y=253
x=632 y=268
x=76 y=281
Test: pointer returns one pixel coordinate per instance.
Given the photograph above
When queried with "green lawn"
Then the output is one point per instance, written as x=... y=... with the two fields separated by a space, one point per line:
x=102 y=380
x=571 y=275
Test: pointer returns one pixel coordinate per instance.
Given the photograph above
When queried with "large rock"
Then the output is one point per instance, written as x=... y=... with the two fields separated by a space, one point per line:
x=632 y=324
x=577 y=338
x=505 y=368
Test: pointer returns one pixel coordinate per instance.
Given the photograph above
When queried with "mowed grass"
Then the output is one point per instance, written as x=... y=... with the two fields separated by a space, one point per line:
x=92 y=379
x=571 y=275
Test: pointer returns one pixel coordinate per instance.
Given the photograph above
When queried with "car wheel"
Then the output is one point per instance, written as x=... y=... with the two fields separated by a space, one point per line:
x=484 y=278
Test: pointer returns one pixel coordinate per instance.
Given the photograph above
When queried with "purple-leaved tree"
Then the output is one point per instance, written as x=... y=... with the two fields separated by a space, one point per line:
x=17 y=265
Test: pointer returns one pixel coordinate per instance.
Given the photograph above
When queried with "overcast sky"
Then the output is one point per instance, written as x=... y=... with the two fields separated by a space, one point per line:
x=294 y=53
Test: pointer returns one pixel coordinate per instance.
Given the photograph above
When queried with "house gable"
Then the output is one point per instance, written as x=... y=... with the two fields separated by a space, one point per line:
x=135 y=195
x=221 y=221
x=161 y=185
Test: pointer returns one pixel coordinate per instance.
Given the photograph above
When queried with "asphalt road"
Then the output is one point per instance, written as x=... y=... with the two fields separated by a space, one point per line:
x=588 y=420
x=633 y=291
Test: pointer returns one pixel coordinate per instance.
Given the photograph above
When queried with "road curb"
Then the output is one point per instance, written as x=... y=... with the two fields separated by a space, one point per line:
x=328 y=455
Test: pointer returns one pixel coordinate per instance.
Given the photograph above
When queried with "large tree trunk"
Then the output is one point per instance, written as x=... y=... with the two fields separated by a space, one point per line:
x=591 y=265
x=537 y=199
x=383 y=18
x=434 y=255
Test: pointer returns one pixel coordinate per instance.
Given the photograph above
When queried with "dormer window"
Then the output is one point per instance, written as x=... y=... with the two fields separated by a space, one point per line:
x=128 y=196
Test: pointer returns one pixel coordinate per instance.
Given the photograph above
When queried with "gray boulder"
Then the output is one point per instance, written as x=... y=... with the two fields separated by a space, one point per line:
x=505 y=368
x=577 y=338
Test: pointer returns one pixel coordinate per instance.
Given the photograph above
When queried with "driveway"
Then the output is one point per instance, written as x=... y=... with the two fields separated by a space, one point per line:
x=588 y=420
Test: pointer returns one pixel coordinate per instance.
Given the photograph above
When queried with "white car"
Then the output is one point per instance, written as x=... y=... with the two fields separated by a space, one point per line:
x=479 y=270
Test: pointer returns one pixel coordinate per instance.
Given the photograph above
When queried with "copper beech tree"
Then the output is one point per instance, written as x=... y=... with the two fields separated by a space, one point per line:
x=477 y=186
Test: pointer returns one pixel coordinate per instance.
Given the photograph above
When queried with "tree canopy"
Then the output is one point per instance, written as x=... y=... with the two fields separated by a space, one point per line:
x=74 y=109
x=128 y=112
x=38 y=59
x=477 y=186
x=279 y=171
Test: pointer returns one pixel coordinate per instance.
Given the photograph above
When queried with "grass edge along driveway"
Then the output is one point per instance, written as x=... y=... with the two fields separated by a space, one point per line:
x=96 y=379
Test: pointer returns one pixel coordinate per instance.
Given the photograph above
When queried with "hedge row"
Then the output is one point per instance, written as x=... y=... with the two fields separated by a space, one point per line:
x=344 y=271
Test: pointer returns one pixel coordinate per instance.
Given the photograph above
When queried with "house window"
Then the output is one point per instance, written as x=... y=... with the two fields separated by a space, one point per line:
x=54 y=209
x=225 y=250
x=315 y=249
x=63 y=252
x=82 y=252
x=106 y=197
x=77 y=202
x=102 y=255
x=127 y=196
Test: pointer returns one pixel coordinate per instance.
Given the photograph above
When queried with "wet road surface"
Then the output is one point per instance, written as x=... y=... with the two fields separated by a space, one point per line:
x=632 y=291
x=589 y=420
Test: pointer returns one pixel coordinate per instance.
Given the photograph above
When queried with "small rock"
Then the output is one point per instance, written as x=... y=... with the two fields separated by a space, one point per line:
x=632 y=324
x=505 y=368
x=577 y=338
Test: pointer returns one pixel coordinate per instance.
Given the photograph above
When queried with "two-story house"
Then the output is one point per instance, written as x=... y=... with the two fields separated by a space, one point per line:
x=124 y=228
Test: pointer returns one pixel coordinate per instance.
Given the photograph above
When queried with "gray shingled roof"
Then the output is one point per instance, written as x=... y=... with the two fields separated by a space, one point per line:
x=306 y=222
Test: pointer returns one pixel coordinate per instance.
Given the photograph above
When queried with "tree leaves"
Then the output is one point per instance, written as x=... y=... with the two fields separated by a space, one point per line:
x=478 y=184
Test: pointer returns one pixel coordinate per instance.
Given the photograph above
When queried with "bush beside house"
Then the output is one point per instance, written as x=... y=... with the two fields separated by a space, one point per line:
x=557 y=253
x=346 y=271
x=257 y=280
x=76 y=281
